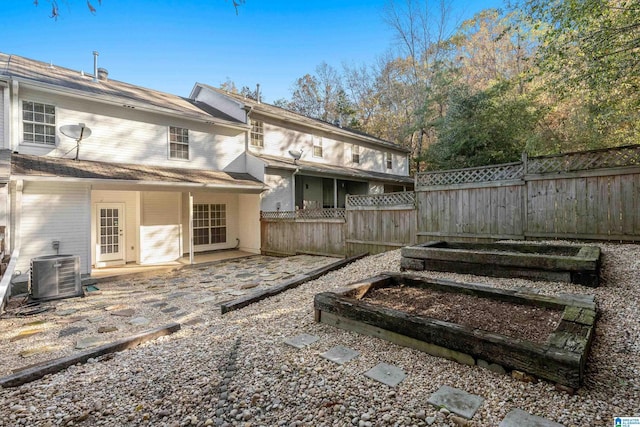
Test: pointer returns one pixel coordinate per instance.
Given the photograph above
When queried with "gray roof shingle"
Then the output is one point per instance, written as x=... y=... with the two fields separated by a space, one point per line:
x=27 y=165
x=26 y=69
x=337 y=171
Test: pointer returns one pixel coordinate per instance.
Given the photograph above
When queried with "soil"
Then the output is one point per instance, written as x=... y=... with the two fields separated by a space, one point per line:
x=526 y=322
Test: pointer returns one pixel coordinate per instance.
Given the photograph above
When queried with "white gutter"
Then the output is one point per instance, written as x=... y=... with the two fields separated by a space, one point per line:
x=95 y=181
x=113 y=100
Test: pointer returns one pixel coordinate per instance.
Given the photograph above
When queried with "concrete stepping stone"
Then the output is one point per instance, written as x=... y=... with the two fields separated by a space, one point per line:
x=340 y=354
x=249 y=285
x=124 y=313
x=107 y=329
x=25 y=334
x=301 y=341
x=520 y=418
x=87 y=342
x=457 y=401
x=97 y=319
x=70 y=331
x=170 y=310
x=386 y=374
x=66 y=312
x=139 y=321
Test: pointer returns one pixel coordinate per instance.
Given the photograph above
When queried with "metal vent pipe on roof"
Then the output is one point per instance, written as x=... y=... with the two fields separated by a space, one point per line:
x=95 y=65
x=103 y=74
x=258 y=92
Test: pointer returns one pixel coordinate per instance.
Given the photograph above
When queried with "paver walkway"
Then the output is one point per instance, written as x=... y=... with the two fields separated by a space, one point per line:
x=129 y=305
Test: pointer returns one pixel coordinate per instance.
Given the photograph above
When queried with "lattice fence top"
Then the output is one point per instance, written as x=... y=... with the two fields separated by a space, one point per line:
x=598 y=159
x=304 y=214
x=501 y=172
x=382 y=200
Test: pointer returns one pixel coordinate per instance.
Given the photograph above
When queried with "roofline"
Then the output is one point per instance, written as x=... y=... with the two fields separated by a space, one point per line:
x=258 y=188
x=301 y=168
x=309 y=121
x=113 y=100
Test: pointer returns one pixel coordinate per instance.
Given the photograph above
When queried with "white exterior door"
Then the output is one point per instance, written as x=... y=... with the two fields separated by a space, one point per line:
x=110 y=232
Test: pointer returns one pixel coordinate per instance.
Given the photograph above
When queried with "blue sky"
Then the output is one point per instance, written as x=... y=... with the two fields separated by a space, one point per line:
x=169 y=45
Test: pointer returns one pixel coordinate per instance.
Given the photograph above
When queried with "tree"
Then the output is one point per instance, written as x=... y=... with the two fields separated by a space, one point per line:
x=588 y=59
x=485 y=127
x=318 y=95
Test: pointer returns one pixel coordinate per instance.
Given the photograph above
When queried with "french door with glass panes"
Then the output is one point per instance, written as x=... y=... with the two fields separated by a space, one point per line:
x=209 y=225
x=110 y=232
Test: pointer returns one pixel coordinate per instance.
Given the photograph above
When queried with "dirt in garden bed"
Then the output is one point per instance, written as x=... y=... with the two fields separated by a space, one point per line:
x=526 y=322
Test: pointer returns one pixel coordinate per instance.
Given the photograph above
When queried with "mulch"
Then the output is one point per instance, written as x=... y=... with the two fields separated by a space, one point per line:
x=521 y=321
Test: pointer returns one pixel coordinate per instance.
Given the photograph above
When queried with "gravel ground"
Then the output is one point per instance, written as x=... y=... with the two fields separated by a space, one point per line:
x=235 y=368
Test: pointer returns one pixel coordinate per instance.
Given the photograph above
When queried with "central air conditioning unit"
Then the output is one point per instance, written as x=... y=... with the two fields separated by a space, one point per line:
x=55 y=276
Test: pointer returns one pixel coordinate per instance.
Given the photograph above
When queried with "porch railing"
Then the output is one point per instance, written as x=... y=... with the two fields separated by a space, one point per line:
x=304 y=214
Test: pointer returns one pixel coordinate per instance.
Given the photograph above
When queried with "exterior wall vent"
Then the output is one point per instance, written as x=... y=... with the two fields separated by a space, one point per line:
x=55 y=276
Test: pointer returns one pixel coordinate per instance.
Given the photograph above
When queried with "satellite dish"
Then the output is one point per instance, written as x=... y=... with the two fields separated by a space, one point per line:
x=77 y=132
x=296 y=154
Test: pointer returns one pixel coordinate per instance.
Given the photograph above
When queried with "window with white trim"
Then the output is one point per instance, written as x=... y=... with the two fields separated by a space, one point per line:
x=38 y=123
x=389 y=160
x=209 y=224
x=257 y=133
x=317 y=146
x=178 y=143
x=355 y=153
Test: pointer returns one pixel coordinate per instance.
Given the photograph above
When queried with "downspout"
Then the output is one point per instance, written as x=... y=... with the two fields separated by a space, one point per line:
x=191 y=255
x=293 y=186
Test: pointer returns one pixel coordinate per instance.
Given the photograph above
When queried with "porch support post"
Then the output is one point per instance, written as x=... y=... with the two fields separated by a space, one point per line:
x=335 y=193
x=191 y=256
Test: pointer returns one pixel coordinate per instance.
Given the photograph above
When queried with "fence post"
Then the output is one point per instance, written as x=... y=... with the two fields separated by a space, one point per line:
x=525 y=197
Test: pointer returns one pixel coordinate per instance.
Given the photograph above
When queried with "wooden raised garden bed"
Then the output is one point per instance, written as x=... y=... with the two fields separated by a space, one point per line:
x=545 y=336
x=574 y=264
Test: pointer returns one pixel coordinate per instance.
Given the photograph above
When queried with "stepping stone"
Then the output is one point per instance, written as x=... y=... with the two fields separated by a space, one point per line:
x=139 y=321
x=89 y=342
x=301 y=341
x=38 y=350
x=520 y=418
x=70 y=331
x=66 y=312
x=25 y=334
x=74 y=319
x=457 y=401
x=170 y=309
x=95 y=319
x=244 y=275
x=249 y=285
x=235 y=292
x=340 y=354
x=106 y=329
x=124 y=313
x=160 y=304
x=386 y=374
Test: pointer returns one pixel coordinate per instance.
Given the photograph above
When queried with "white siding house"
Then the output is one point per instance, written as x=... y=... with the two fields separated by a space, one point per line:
x=128 y=192
x=308 y=163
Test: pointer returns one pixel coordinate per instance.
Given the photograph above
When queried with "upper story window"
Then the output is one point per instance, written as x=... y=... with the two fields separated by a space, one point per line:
x=317 y=146
x=178 y=143
x=389 y=160
x=355 y=153
x=39 y=123
x=257 y=133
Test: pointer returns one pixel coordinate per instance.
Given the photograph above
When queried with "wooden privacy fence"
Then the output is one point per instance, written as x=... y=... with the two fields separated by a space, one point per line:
x=586 y=195
x=370 y=223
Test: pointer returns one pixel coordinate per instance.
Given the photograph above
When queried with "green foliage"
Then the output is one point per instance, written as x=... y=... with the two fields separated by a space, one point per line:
x=485 y=127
